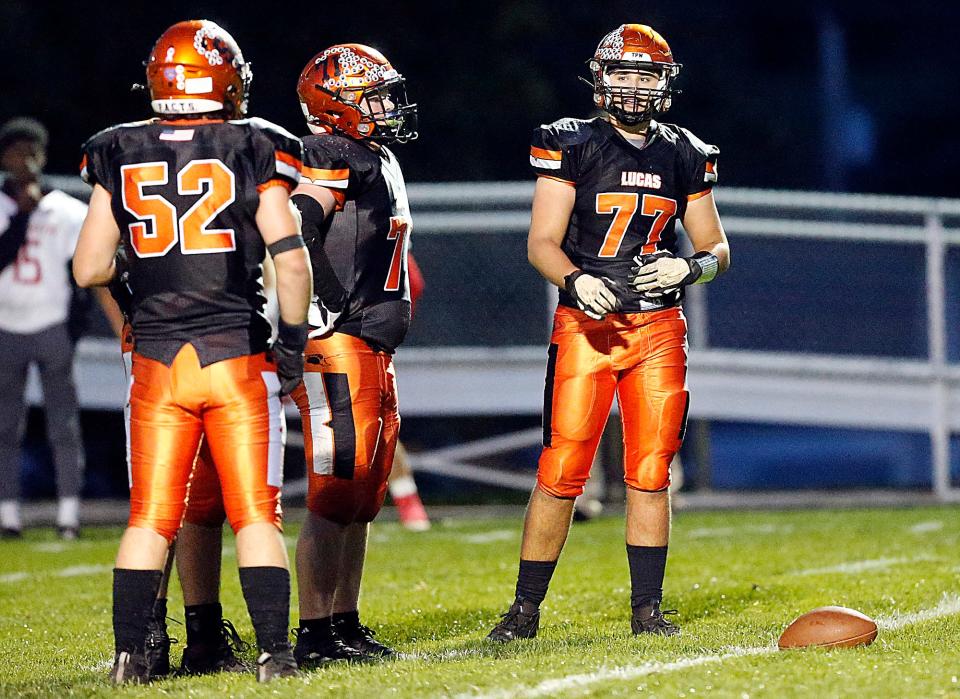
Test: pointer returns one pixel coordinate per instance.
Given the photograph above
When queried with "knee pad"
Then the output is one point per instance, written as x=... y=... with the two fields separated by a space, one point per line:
x=564 y=469
x=346 y=501
x=652 y=473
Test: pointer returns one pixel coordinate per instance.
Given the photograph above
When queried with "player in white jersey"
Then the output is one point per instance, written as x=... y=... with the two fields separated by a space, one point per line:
x=38 y=233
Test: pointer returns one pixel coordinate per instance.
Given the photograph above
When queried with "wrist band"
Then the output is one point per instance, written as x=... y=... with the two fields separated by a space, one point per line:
x=709 y=266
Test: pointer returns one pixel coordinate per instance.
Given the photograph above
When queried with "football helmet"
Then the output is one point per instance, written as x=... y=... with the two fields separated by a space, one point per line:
x=196 y=67
x=633 y=47
x=352 y=89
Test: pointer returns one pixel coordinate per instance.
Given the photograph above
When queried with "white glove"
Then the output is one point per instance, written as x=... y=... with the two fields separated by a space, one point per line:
x=593 y=295
x=321 y=318
x=661 y=273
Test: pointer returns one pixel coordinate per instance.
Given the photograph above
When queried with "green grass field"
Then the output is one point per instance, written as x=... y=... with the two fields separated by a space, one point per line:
x=737 y=579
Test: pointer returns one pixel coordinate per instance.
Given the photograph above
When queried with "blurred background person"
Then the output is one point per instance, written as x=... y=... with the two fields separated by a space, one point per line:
x=38 y=233
x=402 y=486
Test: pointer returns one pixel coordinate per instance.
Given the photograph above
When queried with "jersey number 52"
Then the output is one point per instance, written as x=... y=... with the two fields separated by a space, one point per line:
x=159 y=228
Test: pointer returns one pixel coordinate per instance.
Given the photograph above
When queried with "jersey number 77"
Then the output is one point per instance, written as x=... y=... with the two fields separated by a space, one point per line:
x=623 y=205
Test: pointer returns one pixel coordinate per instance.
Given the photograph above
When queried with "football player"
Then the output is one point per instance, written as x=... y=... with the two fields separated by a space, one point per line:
x=197 y=197
x=356 y=222
x=609 y=193
x=212 y=641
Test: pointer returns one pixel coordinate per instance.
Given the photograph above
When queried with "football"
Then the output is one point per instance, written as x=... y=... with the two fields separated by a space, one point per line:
x=829 y=627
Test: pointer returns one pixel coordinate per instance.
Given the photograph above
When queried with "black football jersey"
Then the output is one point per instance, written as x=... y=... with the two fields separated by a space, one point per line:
x=367 y=238
x=185 y=196
x=628 y=199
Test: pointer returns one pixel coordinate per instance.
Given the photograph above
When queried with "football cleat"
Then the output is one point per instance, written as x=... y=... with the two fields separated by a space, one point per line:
x=522 y=620
x=276 y=663
x=360 y=638
x=648 y=618
x=412 y=514
x=68 y=533
x=129 y=668
x=313 y=649
x=220 y=656
x=156 y=648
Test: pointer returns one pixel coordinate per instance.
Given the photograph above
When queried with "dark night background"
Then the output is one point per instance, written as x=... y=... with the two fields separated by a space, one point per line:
x=854 y=96
x=847 y=96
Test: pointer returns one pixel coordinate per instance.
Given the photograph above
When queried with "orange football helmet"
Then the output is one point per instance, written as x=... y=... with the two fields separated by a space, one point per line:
x=634 y=47
x=195 y=68
x=352 y=89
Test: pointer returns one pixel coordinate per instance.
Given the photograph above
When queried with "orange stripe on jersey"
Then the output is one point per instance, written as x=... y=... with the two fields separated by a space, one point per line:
x=288 y=159
x=558 y=179
x=276 y=182
x=316 y=173
x=694 y=197
x=544 y=154
x=710 y=167
x=83 y=163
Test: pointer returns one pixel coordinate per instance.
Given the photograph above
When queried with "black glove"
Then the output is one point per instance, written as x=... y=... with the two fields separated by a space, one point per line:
x=288 y=353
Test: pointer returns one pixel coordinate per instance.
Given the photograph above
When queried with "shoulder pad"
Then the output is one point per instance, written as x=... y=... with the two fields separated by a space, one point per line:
x=678 y=135
x=268 y=127
x=110 y=131
x=569 y=131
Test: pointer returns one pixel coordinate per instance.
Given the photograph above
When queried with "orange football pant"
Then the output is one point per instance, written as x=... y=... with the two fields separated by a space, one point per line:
x=640 y=357
x=204 y=499
x=348 y=404
x=234 y=406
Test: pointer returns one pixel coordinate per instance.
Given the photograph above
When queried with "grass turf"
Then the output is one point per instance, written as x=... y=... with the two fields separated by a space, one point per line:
x=737 y=579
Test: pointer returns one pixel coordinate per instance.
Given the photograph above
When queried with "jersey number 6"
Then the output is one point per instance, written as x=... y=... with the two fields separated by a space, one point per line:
x=159 y=227
x=623 y=205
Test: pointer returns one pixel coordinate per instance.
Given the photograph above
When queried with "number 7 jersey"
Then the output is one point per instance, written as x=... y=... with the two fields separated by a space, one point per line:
x=628 y=199
x=185 y=196
x=367 y=238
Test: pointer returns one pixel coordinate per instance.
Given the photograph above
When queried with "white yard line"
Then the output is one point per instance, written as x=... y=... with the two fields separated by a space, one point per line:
x=861 y=566
x=722 y=532
x=926 y=527
x=948 y=606
x=490 y=537
x=68 y=572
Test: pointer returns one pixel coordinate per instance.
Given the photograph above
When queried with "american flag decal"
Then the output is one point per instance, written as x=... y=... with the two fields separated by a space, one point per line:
x=176 y=135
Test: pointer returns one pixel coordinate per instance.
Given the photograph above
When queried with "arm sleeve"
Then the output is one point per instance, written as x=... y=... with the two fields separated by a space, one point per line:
x=326 y=285
x=702 y=166
x=550 y=158
x=279 y=156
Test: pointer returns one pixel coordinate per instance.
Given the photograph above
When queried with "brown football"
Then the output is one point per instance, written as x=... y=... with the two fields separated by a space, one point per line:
x=829 y=627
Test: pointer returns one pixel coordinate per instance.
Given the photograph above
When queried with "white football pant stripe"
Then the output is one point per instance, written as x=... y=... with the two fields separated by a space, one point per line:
x=321 y=434
x=278 y=430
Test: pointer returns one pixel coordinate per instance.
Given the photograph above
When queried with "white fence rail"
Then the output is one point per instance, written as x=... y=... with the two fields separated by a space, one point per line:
x=790 y=388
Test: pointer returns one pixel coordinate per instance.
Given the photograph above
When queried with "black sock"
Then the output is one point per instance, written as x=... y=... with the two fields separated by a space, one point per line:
x=319 y=629
x=534 y=579
x=160 y=611
x=134 y=597
x=203 y=623
x=348 y=618
x=647 y=564
x=267 y=592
